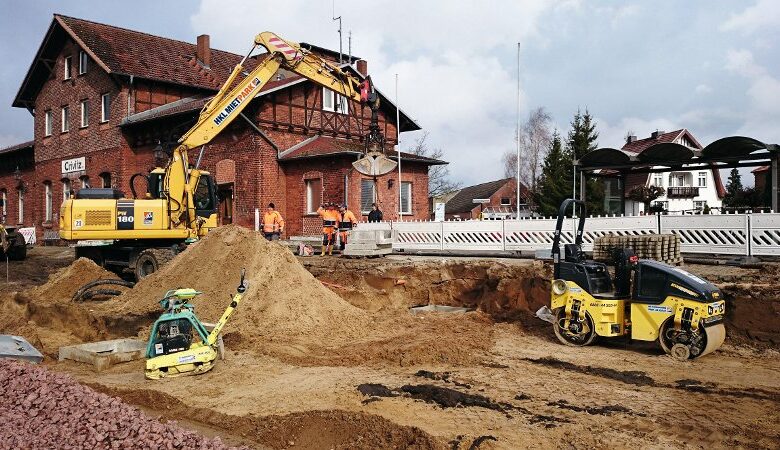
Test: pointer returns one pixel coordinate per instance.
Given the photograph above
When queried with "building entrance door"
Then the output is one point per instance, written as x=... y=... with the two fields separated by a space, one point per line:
x=225 y=193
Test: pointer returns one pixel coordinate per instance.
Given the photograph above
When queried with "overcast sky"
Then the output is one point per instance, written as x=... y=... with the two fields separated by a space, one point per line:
x=710 y=66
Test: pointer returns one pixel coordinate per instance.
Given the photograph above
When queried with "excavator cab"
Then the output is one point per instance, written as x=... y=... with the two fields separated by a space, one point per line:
x=645 y=300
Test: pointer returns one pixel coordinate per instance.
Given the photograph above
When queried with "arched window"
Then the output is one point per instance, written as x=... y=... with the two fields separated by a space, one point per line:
x=47 y=201
x=105 y=180
x=66 y=191
x=84 y=182
x=20 y=193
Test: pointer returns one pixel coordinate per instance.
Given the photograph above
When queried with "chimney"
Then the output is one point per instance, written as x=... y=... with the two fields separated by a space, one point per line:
x=362 y=66
x=204 y=50
x=630 y=138
x=656 y=133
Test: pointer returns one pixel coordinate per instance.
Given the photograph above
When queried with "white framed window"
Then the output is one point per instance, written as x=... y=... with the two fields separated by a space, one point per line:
x=68 y=65
x=506 y=201
x=47 y=201
x=65 y=189
x=702 y=179
x=47 y=123
x=406 y=197
x=65 y=119
x=313 y=195
x=367 y=195
x=334 y=102
x=105 y=180
x=105 y=107
x=83 y=60
x=680 y=180
x=84 y=113
x=658 y=180
x=20 y=193
x=699 y=205
x=4 y=200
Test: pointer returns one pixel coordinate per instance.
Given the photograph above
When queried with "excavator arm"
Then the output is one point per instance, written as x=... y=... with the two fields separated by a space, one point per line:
x=235 y=95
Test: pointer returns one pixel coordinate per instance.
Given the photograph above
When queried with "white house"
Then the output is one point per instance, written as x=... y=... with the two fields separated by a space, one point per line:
x=686 y=191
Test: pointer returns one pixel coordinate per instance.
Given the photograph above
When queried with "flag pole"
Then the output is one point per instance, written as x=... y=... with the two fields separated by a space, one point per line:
x=517 y=136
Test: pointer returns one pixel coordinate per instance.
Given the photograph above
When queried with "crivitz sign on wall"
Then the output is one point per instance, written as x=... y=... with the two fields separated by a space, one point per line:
x=74 y=165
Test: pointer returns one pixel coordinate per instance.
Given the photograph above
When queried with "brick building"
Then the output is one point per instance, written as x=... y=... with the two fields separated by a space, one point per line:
x=495 y=200
x=109 y=103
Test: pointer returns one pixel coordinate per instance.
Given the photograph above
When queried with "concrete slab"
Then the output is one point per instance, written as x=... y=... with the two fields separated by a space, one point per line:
x=105 y=354
x=17 y=347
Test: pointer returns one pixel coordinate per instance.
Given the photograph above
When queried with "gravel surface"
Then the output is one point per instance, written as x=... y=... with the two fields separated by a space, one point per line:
x=44 y=409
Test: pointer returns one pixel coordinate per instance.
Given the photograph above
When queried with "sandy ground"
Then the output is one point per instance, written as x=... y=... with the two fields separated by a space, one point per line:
x=514 y=385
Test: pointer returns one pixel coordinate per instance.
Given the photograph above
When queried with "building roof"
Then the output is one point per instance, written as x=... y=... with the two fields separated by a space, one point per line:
x=640 y=145
x=17 y=147
x=324 y=146
x=761 y=169
x=463 y=202
x=123 y=52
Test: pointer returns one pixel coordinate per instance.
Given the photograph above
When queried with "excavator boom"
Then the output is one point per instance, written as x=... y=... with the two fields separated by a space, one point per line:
x=234 y=97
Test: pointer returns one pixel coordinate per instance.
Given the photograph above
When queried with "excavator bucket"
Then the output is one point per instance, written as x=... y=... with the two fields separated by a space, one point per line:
x=374 y=164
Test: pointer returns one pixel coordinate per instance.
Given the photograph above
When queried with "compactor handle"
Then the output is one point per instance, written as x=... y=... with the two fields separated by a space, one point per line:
x=242 y=287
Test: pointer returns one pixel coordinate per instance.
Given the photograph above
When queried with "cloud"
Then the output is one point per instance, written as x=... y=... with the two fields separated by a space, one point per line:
x=702 y=89
x=763 y=14
x=7 y=140
x=447 y=57
x=763 y=93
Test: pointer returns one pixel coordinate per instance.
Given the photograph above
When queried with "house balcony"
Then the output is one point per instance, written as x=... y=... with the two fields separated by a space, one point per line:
x=682 y=192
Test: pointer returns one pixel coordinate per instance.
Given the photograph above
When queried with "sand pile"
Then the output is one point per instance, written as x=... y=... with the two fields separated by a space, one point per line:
x=46 y=316
x=284 y=304
x=43 y=409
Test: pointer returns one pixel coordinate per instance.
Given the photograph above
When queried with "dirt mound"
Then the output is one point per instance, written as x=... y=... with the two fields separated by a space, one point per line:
x=66 y=281
x=42 y=409
x=284 y=305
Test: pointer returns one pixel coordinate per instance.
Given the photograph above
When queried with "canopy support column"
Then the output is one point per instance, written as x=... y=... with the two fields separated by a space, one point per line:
x=774 y=175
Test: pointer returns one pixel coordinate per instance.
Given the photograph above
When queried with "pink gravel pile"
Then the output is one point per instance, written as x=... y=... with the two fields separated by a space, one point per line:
x=44 y=409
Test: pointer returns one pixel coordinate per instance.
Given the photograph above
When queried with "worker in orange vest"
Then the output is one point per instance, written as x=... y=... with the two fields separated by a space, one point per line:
x=348 y=222
x=330 y=223
x=273 y=224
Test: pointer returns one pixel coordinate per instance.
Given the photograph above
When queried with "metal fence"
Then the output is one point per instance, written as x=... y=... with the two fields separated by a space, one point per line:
x=725 y=234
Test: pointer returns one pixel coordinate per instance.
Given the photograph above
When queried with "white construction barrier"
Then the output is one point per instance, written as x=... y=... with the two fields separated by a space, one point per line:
x=725 y=234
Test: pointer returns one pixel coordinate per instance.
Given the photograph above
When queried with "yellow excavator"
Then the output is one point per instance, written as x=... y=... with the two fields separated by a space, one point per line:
x=180 y=205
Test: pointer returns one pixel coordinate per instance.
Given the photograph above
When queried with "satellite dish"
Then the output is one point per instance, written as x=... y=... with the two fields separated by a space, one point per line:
x=374 y=164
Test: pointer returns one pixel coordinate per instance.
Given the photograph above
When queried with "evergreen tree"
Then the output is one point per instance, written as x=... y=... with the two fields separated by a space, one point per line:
x=582 y=139
x=735 y=193
x=554 y=184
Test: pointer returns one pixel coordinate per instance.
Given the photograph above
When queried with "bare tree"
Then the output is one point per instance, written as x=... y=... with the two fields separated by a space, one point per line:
x=439 y=180
x=535 y=137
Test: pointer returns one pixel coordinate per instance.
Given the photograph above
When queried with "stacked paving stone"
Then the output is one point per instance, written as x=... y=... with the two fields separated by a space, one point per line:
x=44 y=409
x=659 y=247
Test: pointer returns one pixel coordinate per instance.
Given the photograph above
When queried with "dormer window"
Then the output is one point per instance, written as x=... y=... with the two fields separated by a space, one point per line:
x=83 y=60
x=68 y=65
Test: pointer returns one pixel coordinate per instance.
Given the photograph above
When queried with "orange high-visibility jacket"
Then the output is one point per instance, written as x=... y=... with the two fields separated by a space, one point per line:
x=329 y=215
x=273 y=222
x=349 y=217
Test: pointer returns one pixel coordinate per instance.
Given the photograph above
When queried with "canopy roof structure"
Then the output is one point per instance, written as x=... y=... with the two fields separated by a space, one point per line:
x=725 y=153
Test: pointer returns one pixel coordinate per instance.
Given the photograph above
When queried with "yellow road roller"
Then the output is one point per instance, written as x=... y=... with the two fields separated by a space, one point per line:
x=645 y=300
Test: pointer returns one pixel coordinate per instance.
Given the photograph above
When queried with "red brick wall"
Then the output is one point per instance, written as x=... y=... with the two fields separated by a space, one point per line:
x=57 y=92
x=507 y=191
